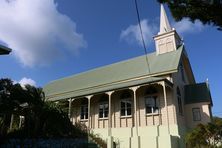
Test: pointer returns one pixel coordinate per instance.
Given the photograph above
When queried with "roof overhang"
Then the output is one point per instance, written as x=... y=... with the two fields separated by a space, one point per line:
x=4 y=50
x=106 y=88
x=124 y=74
x=197 y=93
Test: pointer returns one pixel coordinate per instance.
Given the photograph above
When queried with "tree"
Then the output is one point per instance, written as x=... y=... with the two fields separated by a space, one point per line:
x=42 y=118
x=10 y=100
x=207 y=11
x=209 y=135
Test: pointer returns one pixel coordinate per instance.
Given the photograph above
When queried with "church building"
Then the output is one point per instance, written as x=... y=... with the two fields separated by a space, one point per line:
x=147 y=101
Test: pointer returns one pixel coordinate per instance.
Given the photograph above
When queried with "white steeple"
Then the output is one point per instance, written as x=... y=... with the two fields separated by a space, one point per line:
x=164 y=23
x=167 y=40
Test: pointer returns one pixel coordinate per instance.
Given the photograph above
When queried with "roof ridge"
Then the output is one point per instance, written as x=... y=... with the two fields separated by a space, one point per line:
x=117 y=72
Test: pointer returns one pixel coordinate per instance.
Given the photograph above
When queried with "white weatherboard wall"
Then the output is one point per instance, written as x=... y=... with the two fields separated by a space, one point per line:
x=150 y=136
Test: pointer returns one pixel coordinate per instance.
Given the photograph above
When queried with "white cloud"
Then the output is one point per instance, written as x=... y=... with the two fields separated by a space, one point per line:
x=185 y=26
x=36 y=31
x=24 y=81
x=132 y=33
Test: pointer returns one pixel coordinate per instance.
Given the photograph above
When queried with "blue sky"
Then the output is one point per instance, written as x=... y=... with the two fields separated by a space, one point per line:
x=52 y=39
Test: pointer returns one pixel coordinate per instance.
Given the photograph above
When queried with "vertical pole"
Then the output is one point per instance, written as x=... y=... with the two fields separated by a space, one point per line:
x=166 y=106
x=89 y=120
x=110 y=122
x=135 y=108
x=159 y=112
x=135 y=140
x=70 y=105
x=110 y=138
x=109 y=114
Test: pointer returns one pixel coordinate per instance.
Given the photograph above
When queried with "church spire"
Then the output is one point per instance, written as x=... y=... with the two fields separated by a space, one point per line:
x=167 y=40
x=164 y=23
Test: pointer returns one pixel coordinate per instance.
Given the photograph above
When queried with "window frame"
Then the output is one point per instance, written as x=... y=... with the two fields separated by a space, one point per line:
x=104 y=109
x=85 y=112
x=179 y=101
x=125 y=101
x=181 y=67
x=156 y=104
x=199 y=114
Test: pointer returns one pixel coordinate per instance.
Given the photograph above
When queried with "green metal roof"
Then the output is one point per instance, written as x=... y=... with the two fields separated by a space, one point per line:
x=107 y=77
x=196 y=93
x=4 y=50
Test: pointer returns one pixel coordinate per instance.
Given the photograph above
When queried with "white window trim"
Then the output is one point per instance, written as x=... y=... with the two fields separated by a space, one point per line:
x=85 y=118
x=126 y=99
x=199 y=111
x=157 y=102
x=103 y=103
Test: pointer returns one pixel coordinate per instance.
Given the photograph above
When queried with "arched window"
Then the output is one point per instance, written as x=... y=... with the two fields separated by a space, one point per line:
x=182 y=71
x=151 y=101
x=126 y=104
x=103 y=107
x=179 y=101
x=84 y=109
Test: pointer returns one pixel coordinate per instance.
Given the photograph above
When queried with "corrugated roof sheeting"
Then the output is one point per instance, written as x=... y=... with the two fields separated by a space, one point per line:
x=117 y=72
x=196 y=93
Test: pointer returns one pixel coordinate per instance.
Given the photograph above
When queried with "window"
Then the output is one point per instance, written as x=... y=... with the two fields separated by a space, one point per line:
x=84 y=112
x=169 y=45
x=151 y=101
x=196 y=114
x=103 y=110
x=162 y=46
x=151 y=104
x=84 y=109
x=179 y=101
x=103 y=106
x=126 y=104
x=182 y=72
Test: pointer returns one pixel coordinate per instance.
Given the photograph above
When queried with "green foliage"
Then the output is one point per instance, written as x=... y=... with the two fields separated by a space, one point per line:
x=209 y=135
x=98 y=140
x=207 y=11
x=42 y=118
x=64 y=105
